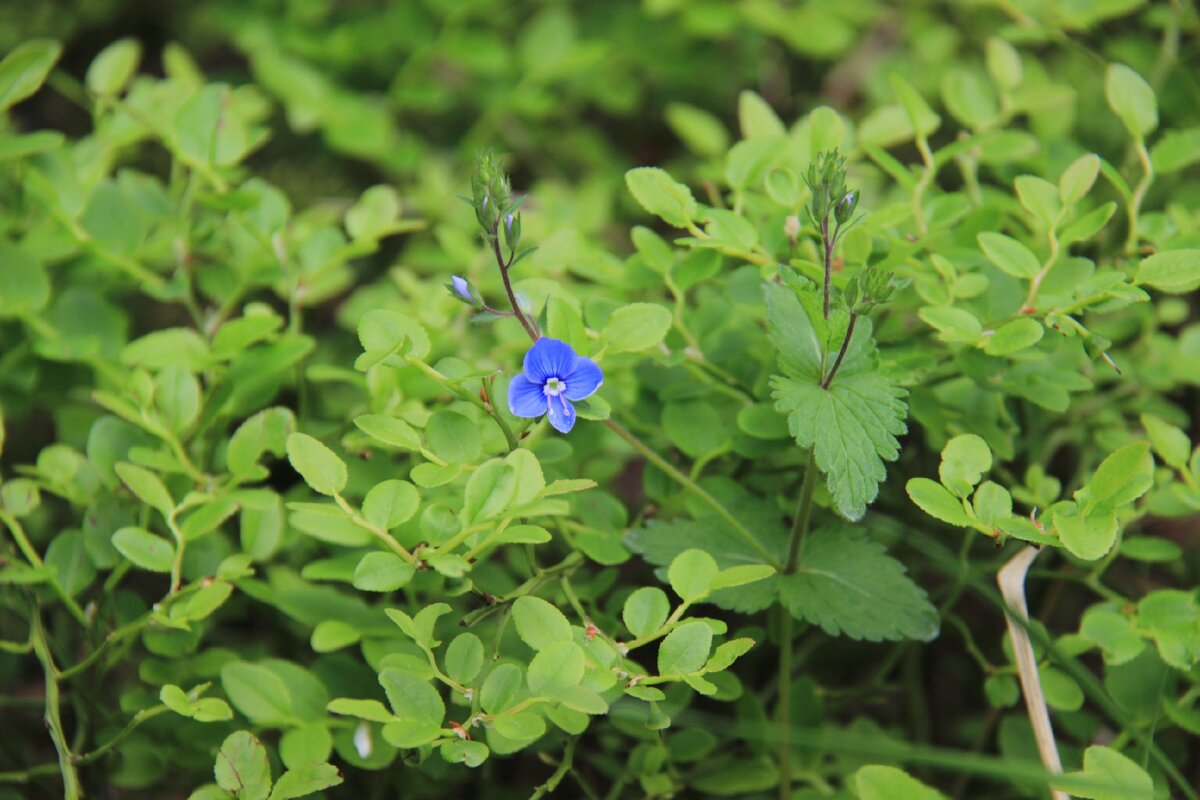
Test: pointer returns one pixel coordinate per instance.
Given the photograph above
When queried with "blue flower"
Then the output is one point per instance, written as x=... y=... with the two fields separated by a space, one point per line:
x=462 y=288
x=553 y=377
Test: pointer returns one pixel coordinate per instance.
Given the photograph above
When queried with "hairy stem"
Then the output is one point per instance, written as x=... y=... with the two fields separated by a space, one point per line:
x=837 y=362
x=526 y=323
x=827 y=243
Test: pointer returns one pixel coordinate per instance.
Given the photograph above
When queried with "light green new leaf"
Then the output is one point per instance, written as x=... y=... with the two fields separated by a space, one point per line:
x=382 y=572
x=685 y=649
x=1107 y=775
x=1131 y=99
x=965 y=459
x=1009 y=255
x=1124 y=476
x=113 y=68
x=148 y=487
x=144 y=549
x=645 y=610
x=637 y=326
x=305 y=780
x=320 y=467
x=1172 y=271
x=417 y=705
x=24 y=70
x=847 y=584
x=937 y=501
x=691 y=574
x=661 y=195
x=890 y=783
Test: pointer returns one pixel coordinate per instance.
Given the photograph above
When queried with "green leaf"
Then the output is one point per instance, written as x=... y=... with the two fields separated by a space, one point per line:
x=113 y=68
x=1003 y=63
x=890 y=783
x=937 y=501
x=1131 y=99
x=691 y=574
x=756 y=118
x=637 y=326
x=167 y=347
x=741 y=575
x=320 y=467
x=1078 y=178
x=333 y=634
x=685 y=649
x=374 y=214
x=1107 y=775
x=387 y=336
x=992 y=504
x=539 y=624
x=372 y=710
x=1011 y=337
x=389 y=430
x=556 y=668
x=965 y=459
x=24 y=286
x=521 y=727
x=1176 y=150
x=662 y=196
x=304 y=780
x=851 y=427
x=1170 y=443
x=144 y=549
x=847 y=584
x=699 y=130
x=382 y=572
x=969 y=98
x=257 y=692
x=266 y=431
x=646 y=610
x=490 y=490
x=452 y=437
x=1039 y=197
x=1086 y=536
x=148 y=487
x=1122 y=477
x=924 y=119
x=418 y=707
x=1172 y=271
x=1009 y=255
x=391 y=503
x=25 y=68
x=501 y=688
x=242 y=767
x=464 y=657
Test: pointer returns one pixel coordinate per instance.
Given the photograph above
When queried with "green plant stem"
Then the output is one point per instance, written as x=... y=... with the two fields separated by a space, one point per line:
x=66 y=762
x=783 y=707
x=556 y=777
x=381 y=534
x=803 y=514
x=1036 y=282
x=35 y=560
x=827 y=247
x=654 y=458
x=837 y=362
x=526 y=323
x=1139 y=194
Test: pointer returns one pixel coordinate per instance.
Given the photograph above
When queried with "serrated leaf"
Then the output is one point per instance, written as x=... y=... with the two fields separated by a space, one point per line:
x=847 y=584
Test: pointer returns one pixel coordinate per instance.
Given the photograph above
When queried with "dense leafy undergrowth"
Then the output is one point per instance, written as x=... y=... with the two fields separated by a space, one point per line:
x=687 y=467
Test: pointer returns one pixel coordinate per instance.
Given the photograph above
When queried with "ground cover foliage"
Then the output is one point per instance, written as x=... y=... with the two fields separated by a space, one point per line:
x=612 y=400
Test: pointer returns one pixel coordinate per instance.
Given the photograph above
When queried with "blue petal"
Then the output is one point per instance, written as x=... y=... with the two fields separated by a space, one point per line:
x=525 y=398
x=584 y=379
x=549 y=358
x=462 y=288
x=561 y=414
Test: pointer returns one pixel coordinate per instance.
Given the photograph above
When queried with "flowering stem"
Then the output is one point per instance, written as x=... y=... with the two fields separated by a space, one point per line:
x=526 y=323
x=837 y=363
x=827 y=241
x=693 y=487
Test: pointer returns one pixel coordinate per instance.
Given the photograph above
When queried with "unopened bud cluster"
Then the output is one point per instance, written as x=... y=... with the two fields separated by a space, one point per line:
x=496 y=208
x=827 y=181
x=870 y=288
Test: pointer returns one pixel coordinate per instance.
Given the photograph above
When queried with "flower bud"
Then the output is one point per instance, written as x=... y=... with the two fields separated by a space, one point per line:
x=461 y=288
x=845 y=207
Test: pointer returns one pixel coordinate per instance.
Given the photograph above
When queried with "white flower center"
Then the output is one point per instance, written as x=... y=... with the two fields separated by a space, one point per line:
x=554 y=387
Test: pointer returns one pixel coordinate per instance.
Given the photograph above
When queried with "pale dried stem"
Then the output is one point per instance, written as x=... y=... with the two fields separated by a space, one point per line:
x=1011 y=579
